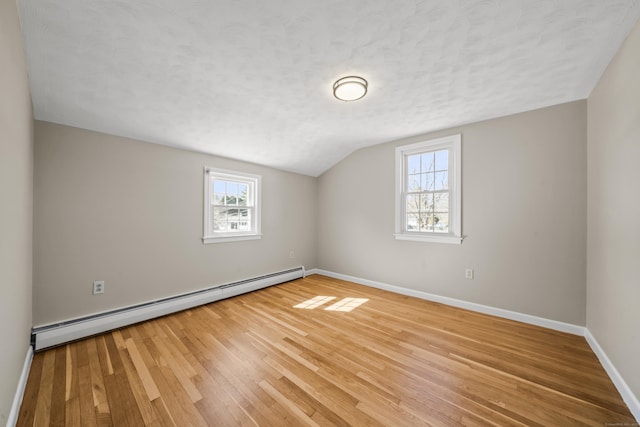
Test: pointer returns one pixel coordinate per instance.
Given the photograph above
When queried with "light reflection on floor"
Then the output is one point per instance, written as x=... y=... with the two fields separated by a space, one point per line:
x=345 y=304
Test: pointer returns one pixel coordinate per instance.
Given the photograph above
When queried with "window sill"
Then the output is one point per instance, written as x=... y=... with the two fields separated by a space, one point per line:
x=223 y=239
x=446 y=238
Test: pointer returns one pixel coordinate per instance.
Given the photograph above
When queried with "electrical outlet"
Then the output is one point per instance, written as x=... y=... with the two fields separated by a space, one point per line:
x=98 y=287
x=468 y=273
x=292 y=254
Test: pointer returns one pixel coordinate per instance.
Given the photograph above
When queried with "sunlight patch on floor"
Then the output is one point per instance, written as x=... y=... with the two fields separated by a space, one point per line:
x=314 y=302
x=347 y=304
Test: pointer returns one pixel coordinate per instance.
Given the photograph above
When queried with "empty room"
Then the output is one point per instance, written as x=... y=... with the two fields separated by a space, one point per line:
x=299 y=213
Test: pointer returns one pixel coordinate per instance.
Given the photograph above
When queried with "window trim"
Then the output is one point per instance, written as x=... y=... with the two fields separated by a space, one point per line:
x=453 y=143
x=255 y=181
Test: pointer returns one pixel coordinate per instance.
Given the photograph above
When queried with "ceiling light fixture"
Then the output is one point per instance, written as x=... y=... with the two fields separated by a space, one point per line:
x=350 y=88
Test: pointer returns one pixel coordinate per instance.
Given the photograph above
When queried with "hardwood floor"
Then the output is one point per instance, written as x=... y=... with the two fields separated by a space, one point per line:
x=257 y=360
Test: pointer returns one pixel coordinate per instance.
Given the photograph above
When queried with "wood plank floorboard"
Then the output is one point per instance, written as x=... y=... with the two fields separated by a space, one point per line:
x=258 y=360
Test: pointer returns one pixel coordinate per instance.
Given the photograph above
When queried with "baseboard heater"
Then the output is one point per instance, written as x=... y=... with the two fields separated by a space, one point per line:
x=59 y=333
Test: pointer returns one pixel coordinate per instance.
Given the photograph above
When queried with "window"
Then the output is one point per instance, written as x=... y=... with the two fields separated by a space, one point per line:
x=428 y=191
x=231 y=206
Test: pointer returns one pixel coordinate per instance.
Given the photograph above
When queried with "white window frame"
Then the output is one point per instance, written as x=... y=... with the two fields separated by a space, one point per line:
x=255 y=185
x=453 y=144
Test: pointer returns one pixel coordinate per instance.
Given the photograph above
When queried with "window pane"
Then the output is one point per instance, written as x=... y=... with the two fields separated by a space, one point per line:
x=426 y=204
x=441 y=202
x=441 y=222
x=243 y=192
x=412 y=222
x=423 y=182
x=225 y=219
x=244 y=222
x=232 y=220
x=427 y=162
x=218 y=198
x=229 y=193
x=414 y=183
x=218 y=186
x=413 y=203
x=427 y=223
x=441 y=181
x=232 y=188
x=413 y=164
x=219 y=219
x=428 y=183
x=219 y=190
x=442 y=160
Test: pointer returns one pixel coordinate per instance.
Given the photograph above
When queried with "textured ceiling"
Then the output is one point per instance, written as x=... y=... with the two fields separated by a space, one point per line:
x=251 y=79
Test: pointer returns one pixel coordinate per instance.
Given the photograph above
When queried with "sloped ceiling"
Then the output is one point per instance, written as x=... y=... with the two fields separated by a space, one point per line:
x=252 y=79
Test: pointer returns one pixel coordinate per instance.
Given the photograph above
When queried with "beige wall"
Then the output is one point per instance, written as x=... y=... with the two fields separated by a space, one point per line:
x=613 y=236
x=130 y=213
x=16 y=199
x=524 y=200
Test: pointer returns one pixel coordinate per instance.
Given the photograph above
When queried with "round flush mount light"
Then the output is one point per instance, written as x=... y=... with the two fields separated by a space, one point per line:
x=350 y=88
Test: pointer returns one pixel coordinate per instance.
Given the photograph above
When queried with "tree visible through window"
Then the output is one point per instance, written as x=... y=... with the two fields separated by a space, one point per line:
x=427 y=196
x=428 y=193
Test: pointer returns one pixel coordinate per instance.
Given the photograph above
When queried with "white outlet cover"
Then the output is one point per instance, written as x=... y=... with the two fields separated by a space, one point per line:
x=98 y=287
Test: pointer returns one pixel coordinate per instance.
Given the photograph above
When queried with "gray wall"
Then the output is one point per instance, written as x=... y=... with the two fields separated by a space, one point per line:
x=613 y=236
x=524 y=202
x=16 y=193
x=130 y=213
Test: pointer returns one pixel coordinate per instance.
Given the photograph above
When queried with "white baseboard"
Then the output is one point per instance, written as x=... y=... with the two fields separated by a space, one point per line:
x=22 y=384
x=499 y=312
x=627 y=395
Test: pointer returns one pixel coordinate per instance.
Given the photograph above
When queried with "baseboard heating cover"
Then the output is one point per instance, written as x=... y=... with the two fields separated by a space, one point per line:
x=59 y=333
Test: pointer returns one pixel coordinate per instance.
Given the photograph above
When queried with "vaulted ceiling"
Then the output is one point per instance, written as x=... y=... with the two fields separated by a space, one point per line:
x=252 y=79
